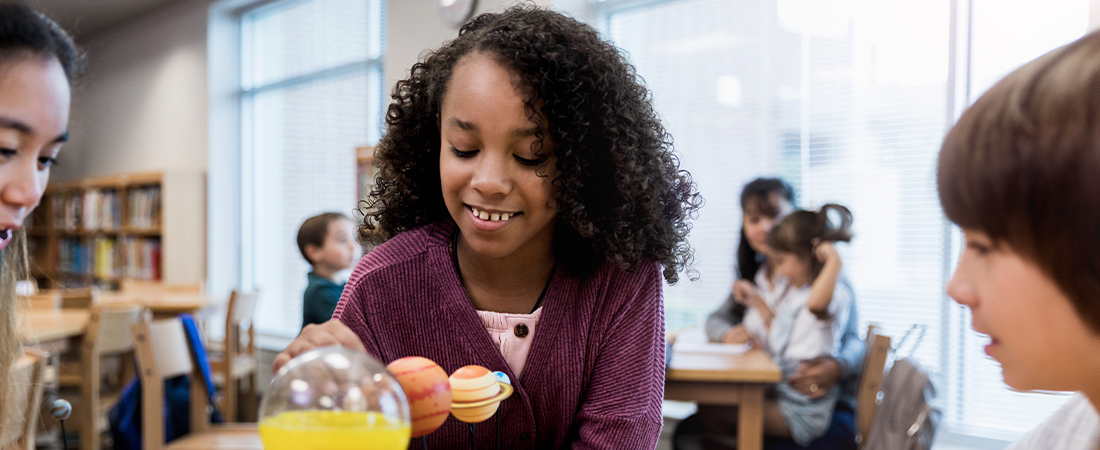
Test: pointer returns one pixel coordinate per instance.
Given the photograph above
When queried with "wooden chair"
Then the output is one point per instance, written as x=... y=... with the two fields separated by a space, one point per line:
x=107 y=344
x=238 y=359
x=163 y=352
x=870 y=381
x=20 y=417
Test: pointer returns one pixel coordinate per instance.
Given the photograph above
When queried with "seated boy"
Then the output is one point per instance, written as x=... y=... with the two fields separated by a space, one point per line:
x=326 y=242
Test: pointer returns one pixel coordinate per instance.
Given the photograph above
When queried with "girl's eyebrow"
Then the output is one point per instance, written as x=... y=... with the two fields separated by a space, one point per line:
x=468 y=126
x=23 y=128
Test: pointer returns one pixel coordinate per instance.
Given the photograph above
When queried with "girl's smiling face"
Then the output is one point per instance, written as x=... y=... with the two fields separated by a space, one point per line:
x=34 y=117
x=1035 y=332
x=795 y=268
x=496 y=187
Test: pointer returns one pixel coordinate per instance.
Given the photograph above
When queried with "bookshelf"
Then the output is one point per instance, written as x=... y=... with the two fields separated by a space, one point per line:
x=98 y=231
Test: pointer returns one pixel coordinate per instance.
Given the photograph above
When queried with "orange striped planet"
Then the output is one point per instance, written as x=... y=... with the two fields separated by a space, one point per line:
x=474 y=384
x=427 y=389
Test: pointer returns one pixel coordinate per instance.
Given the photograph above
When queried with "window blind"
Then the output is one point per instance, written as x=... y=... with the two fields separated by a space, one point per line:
x=848 y=101
x=311 y=93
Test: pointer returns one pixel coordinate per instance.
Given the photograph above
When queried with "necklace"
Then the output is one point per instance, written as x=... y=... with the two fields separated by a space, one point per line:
x=454 y=260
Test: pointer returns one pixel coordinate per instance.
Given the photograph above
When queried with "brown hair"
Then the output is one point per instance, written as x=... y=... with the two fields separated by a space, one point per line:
x=13 y=267
x=314 y=231
x=800 y=231
x=1023 y=166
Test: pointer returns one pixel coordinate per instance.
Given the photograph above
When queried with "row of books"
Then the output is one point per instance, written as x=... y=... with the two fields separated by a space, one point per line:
x=112 y=258
x=143 y=207
x=101 y=209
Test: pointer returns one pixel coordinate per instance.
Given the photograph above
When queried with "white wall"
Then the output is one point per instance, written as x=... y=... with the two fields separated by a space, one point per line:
x=142 y=104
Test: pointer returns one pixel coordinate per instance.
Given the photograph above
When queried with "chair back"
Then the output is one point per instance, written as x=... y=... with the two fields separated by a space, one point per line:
x=19 y=418
x=242 y=305
x=109 y=329
x=870 y=381
x=163 y=352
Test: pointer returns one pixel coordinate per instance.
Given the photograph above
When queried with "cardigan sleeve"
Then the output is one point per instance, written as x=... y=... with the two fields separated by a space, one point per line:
x=621 y=408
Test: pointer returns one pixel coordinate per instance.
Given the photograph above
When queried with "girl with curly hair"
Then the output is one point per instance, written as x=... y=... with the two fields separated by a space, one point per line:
x=530 y=206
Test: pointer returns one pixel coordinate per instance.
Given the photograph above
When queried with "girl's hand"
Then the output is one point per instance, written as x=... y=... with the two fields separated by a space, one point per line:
x=736 y=335
x=825 y=252
x=332 y=332
x=745 y=293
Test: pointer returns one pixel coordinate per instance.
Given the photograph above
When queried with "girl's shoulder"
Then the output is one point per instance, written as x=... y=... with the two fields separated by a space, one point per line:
x=411 y=245
x=1076 y=426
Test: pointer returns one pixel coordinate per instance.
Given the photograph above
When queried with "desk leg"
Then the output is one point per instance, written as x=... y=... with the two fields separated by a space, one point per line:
x=750 y=418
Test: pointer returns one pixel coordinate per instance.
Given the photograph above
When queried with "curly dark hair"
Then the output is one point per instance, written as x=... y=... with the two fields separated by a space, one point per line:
x=621 y=196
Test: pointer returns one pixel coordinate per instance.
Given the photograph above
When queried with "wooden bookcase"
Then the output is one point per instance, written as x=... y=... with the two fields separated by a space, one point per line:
x=97 y=231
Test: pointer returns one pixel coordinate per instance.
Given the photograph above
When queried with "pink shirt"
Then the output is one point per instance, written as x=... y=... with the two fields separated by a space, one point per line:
x=512 y=334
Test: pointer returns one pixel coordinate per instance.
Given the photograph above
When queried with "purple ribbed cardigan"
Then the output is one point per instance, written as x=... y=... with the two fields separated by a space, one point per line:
x=594 y=377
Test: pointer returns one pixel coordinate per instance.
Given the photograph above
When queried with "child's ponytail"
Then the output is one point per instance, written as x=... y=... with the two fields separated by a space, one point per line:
x=828 y=231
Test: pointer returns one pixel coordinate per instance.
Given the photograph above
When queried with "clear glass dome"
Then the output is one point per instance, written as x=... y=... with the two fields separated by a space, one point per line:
x=334 y=398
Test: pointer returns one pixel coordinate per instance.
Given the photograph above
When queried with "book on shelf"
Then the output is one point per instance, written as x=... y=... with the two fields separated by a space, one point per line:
x=102 y=210
x=67 y=211
x=143 y=207
x=110 y=258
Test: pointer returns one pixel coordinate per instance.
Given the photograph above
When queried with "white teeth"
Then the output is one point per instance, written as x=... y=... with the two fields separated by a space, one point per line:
x=483 y=215
x=494 y=217
x=476 y=212
x=504 y=216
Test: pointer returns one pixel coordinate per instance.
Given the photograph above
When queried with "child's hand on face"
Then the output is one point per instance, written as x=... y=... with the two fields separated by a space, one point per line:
x=825 y=252
x=745 y=293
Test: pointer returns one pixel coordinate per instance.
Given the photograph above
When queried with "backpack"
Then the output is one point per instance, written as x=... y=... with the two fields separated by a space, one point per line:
x=125 y=416
x=907 y=417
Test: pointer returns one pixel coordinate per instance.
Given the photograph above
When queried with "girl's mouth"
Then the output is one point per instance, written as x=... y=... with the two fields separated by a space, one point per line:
x=5 y=238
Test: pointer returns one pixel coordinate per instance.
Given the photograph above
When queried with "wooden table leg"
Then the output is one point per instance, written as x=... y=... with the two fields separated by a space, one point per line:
x=750 y=418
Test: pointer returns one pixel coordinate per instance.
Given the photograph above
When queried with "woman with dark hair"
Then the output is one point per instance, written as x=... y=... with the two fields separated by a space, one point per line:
x=530 y=205
x=1020 y=174
x=37 y=64
x=764 y=202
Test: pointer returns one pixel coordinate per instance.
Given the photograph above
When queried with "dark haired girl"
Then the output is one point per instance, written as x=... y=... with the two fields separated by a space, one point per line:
x=37 y=64
x=530 y=204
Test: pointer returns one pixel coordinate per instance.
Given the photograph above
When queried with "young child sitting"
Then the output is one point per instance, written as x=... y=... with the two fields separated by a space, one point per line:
x=326 y=243
x=798 y=322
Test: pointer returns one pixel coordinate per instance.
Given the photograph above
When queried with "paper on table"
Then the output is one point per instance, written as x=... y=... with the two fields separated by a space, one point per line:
x=710 y=348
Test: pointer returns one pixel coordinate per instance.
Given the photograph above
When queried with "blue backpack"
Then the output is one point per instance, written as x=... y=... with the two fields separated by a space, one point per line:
x=125 y=416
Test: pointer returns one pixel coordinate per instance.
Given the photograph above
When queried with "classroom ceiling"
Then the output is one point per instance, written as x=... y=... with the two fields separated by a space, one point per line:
x=84 y=18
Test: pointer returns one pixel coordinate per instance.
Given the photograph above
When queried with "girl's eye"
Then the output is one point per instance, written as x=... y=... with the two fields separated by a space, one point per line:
x=7 y=152
x=982 y=249
x=531 y=162
x=46 y=162
x=463 y=154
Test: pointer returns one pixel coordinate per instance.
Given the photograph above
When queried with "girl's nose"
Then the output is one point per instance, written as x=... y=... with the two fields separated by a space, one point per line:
x=491 y=177
x=22 y=189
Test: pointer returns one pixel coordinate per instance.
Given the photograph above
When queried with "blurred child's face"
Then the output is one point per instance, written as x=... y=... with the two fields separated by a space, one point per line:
x=339 y=251
x=795 y=268
x=757 y=224
x=1035 y=332
x=488 y=171
x=34 y=117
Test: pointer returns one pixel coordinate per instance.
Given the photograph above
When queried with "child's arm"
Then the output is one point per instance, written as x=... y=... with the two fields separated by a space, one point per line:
x=821 y=292
x=621 y=405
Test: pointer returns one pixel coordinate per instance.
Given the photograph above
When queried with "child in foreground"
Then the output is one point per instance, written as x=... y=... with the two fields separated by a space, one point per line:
x=531 y=207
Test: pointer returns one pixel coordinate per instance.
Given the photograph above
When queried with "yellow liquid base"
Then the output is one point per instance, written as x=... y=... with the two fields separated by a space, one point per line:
x=331 y=430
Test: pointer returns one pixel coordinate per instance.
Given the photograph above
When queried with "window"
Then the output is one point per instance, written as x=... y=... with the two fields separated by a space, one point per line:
x=849 y=101
x=310 y=93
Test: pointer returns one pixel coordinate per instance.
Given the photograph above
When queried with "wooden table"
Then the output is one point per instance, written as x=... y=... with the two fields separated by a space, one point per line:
x=51 y=325
x=165 y=305
x=724 y=378
x=233 y=436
